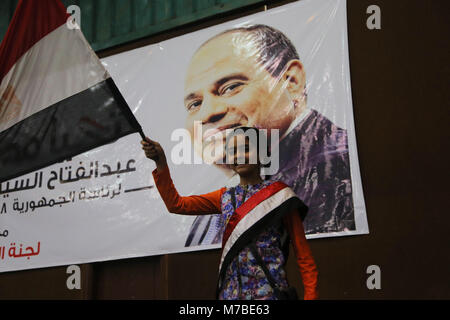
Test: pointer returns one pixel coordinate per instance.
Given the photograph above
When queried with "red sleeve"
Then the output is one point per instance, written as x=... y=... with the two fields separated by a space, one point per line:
x=209 y=203
x=305 y=260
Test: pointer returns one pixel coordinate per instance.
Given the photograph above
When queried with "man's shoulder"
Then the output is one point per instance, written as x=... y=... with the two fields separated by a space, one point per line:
x=321 y=128
x=323 y=121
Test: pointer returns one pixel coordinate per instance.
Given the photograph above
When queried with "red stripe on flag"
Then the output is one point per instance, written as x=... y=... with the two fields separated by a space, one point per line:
x=32 y=20
x=249 y=205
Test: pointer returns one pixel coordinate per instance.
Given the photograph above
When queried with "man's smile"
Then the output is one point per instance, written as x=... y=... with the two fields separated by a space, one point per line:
x=214 y=131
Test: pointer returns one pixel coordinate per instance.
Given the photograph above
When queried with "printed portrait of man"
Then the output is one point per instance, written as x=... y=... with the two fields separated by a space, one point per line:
x=252 y=76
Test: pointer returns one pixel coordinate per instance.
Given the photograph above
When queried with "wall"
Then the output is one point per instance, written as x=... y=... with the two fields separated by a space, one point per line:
x=107 y=23
x=400 y=93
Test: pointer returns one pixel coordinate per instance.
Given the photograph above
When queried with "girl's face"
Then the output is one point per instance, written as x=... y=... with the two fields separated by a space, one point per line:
x=242 y=156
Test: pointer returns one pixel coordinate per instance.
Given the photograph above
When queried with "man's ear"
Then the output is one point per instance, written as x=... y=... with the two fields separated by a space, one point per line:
x=295 y=77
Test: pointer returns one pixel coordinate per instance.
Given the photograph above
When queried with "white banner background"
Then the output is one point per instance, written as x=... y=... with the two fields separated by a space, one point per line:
x=118 y=222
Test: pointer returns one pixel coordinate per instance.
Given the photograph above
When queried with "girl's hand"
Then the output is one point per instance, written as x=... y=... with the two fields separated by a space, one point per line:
x=155 y=152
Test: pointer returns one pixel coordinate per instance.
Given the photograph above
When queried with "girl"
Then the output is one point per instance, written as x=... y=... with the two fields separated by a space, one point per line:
x=257 y=219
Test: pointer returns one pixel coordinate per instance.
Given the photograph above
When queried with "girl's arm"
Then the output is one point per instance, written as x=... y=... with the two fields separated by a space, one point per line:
x=305 y=260
x=208 y=203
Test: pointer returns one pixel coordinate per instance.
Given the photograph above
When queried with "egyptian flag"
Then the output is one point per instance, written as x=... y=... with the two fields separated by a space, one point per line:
x=56 y=98
x=265 y=208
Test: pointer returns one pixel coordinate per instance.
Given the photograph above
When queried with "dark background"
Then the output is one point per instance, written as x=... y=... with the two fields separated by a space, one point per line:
x=400 y=88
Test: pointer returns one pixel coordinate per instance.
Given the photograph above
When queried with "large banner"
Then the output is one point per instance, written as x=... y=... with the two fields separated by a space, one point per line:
x=285 y=70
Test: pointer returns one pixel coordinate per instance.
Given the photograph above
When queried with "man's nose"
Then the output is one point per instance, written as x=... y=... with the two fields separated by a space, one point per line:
x=213 y=110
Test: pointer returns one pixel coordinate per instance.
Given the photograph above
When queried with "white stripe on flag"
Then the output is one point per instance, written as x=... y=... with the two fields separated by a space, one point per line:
x=58 y=66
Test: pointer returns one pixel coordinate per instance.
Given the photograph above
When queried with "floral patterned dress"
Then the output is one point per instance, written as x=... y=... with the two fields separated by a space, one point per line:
x=244 y=278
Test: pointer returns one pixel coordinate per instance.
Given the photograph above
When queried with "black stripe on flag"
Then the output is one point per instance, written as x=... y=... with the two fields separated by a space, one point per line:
x=95 y=116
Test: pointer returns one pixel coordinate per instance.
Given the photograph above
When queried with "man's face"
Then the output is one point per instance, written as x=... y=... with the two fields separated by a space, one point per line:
x=226 y=87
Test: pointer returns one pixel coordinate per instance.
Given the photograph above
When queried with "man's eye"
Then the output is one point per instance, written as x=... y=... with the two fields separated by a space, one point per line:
x=194 y=104
x=230 y=88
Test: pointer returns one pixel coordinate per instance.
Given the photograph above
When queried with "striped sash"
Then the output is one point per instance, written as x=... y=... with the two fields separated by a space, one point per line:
x=261 y=210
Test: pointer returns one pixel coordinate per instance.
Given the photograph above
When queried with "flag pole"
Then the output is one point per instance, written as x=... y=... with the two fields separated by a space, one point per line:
x=141 y=132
